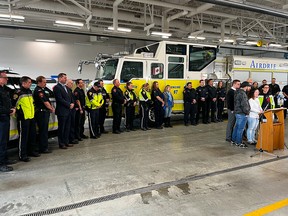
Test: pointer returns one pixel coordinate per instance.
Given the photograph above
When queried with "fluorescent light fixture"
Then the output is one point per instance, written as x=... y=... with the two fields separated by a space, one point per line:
x=161 y=34
x=164 y=36
x=251 y=42
x=68 y=23
x=196 y=37
x=227 y=40
x=275 y=45
x=10 y=16
x=120 y=29
x=45 y=41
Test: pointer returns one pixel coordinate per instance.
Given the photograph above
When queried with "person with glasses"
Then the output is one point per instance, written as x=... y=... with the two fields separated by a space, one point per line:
x=6 y=110
x=266 y=98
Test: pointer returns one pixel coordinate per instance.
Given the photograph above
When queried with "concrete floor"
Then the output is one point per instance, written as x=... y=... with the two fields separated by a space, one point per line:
x=174 y=171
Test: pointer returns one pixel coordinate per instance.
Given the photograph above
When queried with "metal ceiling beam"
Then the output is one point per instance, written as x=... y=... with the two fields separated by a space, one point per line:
x=249 y=6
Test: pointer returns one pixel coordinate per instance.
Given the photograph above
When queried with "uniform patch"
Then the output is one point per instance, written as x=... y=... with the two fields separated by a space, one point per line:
x=90 y=93
x=75 y=93
x=114 y=90
x=15 y=96
x=41 y=95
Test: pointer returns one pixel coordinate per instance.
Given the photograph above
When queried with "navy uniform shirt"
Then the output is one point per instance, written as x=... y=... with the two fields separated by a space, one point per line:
x=41 y=95
x=212 y=92
x=130 y=97
x=202 y=92
x=274 y=88
x=105 y=96
x=117 y=95
x=190 y=95
x=221 y=93
x=79 y=94
x=285 y=90
x=155 y=93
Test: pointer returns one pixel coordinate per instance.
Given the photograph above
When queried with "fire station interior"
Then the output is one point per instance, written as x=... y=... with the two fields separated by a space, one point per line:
x=183 y=170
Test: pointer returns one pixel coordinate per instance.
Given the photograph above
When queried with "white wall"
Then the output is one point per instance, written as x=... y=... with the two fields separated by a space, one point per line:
x=32 y=58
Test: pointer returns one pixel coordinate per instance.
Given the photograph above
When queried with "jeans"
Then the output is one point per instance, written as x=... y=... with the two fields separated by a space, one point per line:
x=252 y=126
x=241 y=120
x=230 y=124
x=168 y=111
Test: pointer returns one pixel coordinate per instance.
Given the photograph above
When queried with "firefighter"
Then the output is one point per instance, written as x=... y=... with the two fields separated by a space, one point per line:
x=158 y=101
x=25 y=115
x=117 y=101
x=104 y=107
x=145 y=103
x=94 y=101
x=131 y=101
x=211 y=101
x=221 y=95
x=190 y=104
x=202 y=102
x=43 y=108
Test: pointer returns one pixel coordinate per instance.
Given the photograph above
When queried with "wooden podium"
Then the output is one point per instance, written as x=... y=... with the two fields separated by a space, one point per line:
x=271 y=132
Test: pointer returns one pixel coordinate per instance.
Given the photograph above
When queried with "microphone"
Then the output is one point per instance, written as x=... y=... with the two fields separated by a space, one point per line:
x=268 y=100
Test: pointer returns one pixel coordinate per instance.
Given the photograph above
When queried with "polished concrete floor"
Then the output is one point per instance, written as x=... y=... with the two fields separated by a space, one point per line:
x=175 y=171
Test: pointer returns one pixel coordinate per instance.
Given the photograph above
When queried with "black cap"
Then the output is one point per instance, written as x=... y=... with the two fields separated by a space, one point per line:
x=97 y=84
x=244 y=84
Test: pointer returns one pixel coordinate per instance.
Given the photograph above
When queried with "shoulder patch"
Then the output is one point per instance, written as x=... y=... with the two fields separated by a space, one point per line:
x=75 y=93
x=41 y=95
x=114 y=90
x=90 y=93
x=15 y=96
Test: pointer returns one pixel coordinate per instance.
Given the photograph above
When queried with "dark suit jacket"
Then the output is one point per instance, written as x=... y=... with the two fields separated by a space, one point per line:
x=63 y=100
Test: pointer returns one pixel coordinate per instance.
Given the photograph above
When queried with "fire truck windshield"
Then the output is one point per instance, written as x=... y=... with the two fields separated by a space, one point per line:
x=109 y=69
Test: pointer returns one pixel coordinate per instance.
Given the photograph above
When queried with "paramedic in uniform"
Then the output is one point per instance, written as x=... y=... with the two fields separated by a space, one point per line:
x=211 y=101
x=104 y=107
x=94 y=101
x=43 y=108
x=145 y=102
x=5 y=111
x=25 y=116
x=131 y=101
x=202 y=102
x=190 y=104
x=117 y=101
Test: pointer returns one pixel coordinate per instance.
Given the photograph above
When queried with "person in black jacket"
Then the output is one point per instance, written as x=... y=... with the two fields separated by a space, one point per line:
x=117 y=101
x=104 y=108
x=190 y=104
x=202 y=93
x=131 y=101
x=221 y=95
x=157 y=97
x=211 y=101
x=5 y=111
x=64 y=104
x=230 y=109
x=275 y=90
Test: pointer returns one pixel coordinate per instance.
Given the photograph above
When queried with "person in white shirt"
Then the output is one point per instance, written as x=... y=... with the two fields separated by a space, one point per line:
x=253 y=118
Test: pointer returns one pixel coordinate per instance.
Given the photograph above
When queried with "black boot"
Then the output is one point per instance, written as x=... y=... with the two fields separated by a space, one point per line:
x=166 y=122
x=169 y=122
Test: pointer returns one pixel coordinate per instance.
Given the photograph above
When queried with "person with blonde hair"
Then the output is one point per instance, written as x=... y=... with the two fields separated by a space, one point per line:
x=169 y=103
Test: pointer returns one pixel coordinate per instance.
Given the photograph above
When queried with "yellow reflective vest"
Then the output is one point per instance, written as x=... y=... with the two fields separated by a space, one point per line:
x=144 y=95
x=25 y=103
x=94 y=100
x=261 y=98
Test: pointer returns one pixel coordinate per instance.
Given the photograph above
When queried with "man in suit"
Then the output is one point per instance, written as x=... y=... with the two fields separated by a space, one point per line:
x=64 y=105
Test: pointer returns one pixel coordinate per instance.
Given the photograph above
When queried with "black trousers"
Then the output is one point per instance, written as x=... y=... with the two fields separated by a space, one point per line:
x=117 y=115
x=27 y=139
x=4 y=137
x=72 y=134
x=102 y=117
x=129 y=117
x=159 y=114
x=93 y=116
x=64 y=123
x=220 y=108
x=79 y=124
x=211 y=109
x=202 y=107
x=190 y=113
x=144 y=112
x=285 y=105
x=42 y=120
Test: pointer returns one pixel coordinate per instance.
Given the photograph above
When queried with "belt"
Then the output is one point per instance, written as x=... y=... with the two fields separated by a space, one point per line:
x=42 y=110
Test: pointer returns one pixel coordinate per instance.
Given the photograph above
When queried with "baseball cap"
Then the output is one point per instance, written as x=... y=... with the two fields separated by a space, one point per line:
x=97 y=84
x=244 y=84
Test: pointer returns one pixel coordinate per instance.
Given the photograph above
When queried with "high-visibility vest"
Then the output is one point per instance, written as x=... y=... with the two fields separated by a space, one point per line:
x=141 y=97
x=26 y=103
x=261 y=98
x=96 y=102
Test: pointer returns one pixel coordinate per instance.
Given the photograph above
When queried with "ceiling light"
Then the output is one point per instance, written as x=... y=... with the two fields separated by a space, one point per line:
x=275 y=45
x=161 y=33
x=227 y=40
x=11 y=17
x=120 y=29
x=251 y=42
x=164 y=36
x=196 y=37
x=68 y=23
x=45 y=41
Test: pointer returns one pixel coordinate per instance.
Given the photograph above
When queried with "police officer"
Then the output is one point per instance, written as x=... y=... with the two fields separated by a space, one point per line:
x=131 y=101
x=5 y=111
x=104 y=107
x=275 y=90
x=94 y=101
x=202 y=102
x=117 y=101
x=190 y=104
x=79 y=96
x=158 y=102
x=145 y=103
x=25 y=116
x=211 y=101
x=221 y=96
x=43 y=107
